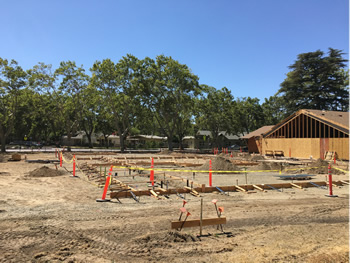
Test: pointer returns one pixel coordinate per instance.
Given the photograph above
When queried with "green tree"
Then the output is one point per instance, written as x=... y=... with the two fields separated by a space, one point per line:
x=249 y=114
x=169 y=89
x=88 y=118
x=316 y=82
x=12 y=81
x=273 y=109
x=44 y=116
x=119 y=88
x=105 y=122
x=74 y=81
x=216 y=112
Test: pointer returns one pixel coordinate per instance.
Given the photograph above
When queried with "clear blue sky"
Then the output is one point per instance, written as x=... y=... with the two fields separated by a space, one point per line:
x=246 y=46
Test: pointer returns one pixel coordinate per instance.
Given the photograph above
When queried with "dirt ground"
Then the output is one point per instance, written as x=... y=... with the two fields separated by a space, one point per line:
x=57 y=219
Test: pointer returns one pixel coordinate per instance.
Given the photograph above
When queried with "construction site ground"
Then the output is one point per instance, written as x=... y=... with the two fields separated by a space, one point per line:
x=52 y=217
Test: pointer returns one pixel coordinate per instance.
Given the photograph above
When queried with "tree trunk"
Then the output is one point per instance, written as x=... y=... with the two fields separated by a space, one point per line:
x=170 y=143
x=69 y=141
x=106 y=141
x=3 y=142
x=122 y=146
x=181 y=146
x=89 y=140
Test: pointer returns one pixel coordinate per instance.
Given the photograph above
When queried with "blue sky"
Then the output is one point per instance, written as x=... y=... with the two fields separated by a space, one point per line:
x=245 y=46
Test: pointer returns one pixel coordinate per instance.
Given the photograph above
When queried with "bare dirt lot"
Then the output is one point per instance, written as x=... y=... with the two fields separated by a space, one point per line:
x=52 y=217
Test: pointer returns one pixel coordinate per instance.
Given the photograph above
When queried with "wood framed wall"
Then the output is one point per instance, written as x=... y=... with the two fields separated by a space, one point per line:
x=304 y=136
x=302 y=126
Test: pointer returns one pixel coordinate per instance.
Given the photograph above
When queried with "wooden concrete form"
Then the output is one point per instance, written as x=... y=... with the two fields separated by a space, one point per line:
x=196 y=222
x=233 y=188
x=143 y=163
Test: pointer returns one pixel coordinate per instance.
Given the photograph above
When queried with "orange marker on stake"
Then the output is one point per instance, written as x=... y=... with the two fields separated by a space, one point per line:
x=210 y=174
x=330 y=182
x=152 y=172
x=74 y=165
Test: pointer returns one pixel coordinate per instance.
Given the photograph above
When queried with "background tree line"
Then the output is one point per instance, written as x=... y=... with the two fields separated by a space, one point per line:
x=154 y=96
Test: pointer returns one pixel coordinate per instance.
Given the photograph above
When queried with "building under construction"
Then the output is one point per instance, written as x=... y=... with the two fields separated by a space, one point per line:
x=305 y=134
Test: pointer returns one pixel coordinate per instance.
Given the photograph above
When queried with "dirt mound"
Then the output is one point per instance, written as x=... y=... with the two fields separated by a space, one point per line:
x=318 y=167
x=68 y=156
x=255 y=158
x=166 y=151
x=319 y=162
x=45 y=171
x=260 y=166
x=4 y=157
x=220 y=163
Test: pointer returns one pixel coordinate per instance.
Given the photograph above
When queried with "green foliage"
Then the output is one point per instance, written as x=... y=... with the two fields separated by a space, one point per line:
x=169 y=89
x=155 y=96
x=118 y=85
x=216 y=112
x=12 y=81
x=273 y=110
x=316 y=82
x=250 y=114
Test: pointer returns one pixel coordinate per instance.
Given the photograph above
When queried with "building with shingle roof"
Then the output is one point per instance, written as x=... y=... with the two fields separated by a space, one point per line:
x=309 y=133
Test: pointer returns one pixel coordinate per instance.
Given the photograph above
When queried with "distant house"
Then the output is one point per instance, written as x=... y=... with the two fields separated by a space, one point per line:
x=309 y=133
x=111 y=141
x=204 y=140
x=141 y=140
x=226 y=140
x=189 y=142
x=79 y=139
x=254 y=139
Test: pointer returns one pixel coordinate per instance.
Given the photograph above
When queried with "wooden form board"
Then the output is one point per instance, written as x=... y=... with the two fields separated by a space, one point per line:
x=233 y=188
x=196 y=222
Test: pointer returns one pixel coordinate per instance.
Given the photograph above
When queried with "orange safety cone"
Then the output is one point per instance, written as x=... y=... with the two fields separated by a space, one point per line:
x=74 y=167
x=231 y=155
x=108 y=180
x=330 y=182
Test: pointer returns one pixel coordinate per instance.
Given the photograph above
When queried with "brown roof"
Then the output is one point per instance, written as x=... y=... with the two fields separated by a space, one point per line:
x=337 y=117
x=258 y=132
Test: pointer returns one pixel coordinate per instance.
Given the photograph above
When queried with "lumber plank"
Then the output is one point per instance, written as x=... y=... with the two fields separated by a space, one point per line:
x=240 y=188
x=297 y=186
x=231 y=188
x=153 y=193
x=258 y=187
x=344 y=182
x=196 y=222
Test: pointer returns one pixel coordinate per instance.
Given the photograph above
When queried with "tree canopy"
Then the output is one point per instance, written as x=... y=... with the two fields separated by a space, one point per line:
x=158 y=96
x=316 y=81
